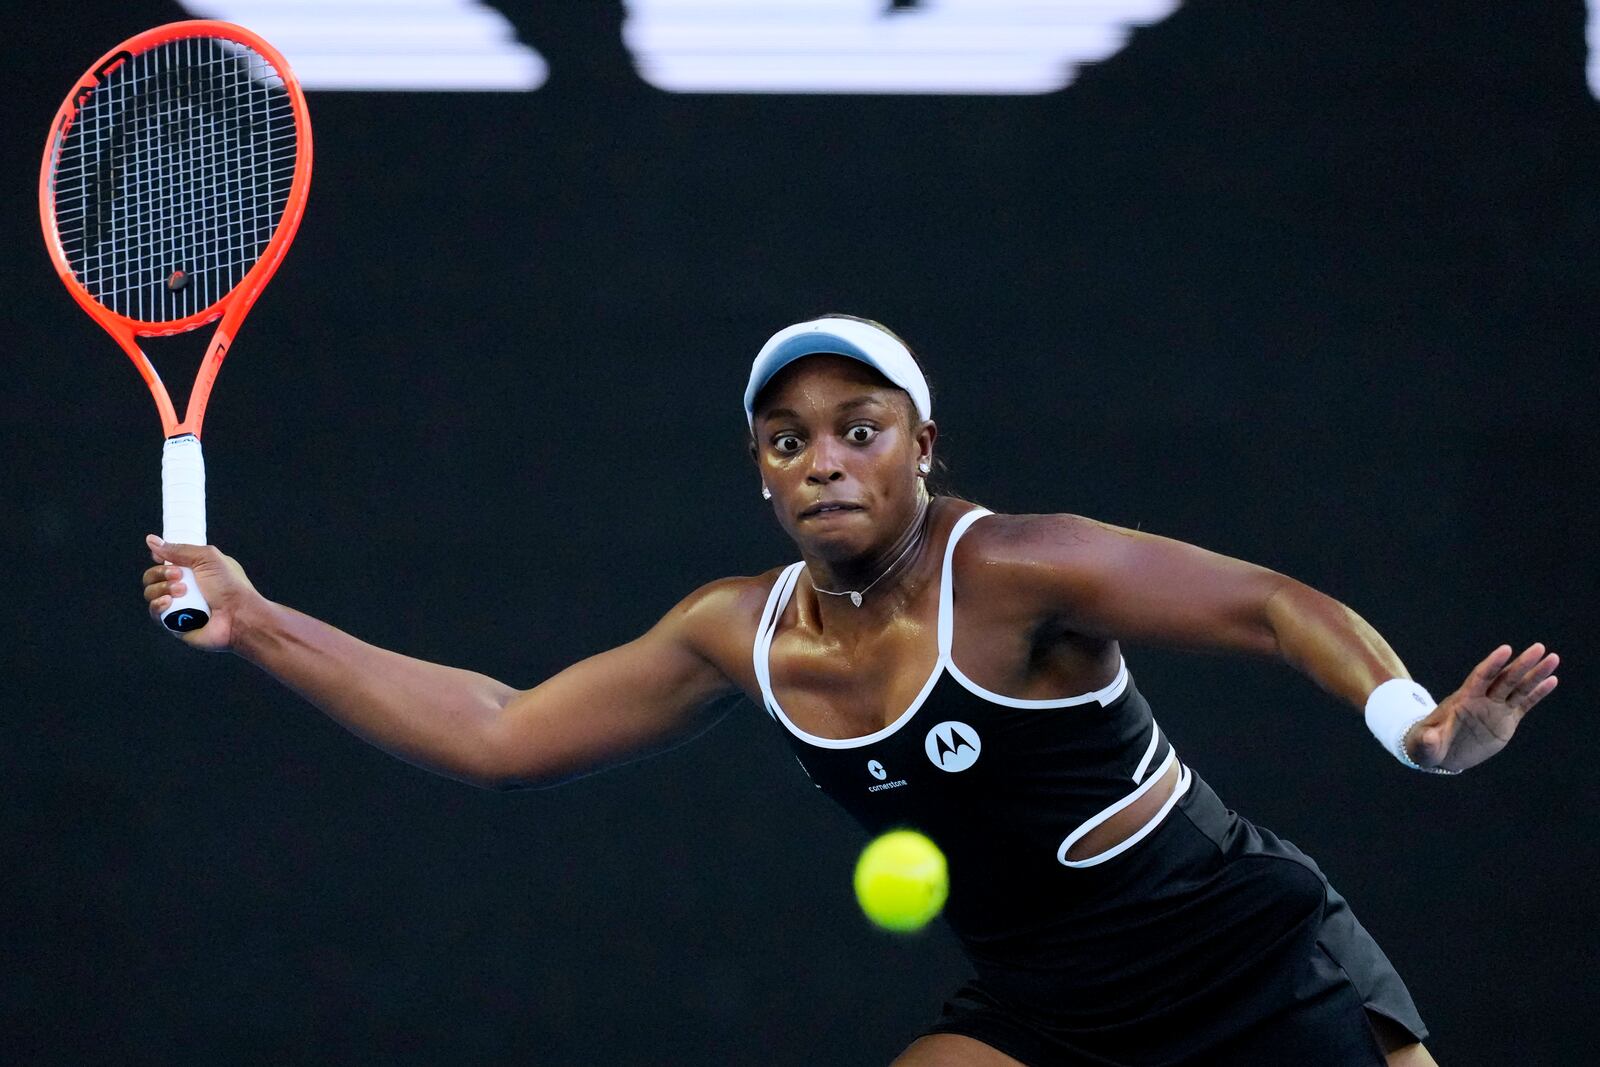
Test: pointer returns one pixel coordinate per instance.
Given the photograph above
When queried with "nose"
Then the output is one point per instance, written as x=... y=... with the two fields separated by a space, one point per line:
x=825 y=463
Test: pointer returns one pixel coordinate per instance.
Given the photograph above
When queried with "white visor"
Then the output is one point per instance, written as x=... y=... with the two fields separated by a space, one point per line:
x=840 y=337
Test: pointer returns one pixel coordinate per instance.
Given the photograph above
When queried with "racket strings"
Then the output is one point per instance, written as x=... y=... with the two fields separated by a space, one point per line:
x=173 y=176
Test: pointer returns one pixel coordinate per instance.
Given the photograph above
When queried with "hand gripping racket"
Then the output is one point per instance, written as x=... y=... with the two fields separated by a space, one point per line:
x=173 y=180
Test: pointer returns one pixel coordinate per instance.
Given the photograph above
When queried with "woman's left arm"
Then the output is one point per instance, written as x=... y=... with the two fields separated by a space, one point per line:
x=1122 y=584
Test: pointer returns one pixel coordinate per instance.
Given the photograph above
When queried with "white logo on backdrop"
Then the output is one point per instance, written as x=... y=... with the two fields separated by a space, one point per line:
x=961 y=47
x=1594 y=47
x=389 y=44
x=867 y=46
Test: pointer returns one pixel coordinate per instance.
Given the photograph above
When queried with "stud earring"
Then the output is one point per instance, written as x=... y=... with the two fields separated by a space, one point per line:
x=925 y=467
x=766 y=494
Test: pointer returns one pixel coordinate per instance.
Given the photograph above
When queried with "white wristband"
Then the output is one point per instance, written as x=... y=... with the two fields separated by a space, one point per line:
x=1392 y=710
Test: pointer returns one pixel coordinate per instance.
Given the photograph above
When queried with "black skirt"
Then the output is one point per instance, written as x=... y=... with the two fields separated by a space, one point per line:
x=1212 y=942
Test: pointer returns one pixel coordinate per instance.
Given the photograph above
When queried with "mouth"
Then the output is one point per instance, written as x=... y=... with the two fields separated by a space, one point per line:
x=829 y=507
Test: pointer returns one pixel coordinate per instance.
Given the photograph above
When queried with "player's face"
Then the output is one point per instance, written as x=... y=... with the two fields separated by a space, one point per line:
x=839 y=447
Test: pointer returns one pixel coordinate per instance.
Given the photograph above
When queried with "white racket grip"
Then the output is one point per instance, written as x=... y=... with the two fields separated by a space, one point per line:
x=183 y=521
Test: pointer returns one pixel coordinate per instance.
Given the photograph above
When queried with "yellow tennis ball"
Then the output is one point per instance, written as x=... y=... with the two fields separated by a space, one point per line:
x=901 y=881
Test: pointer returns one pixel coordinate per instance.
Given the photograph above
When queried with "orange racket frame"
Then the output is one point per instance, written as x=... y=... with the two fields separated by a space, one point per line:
x=232 y=306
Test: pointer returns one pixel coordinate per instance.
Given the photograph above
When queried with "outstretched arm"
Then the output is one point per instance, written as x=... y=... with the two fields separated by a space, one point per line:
x=459 y=723
x=1123 y=584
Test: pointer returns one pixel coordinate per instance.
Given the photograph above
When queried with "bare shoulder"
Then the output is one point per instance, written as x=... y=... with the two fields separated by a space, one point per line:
x=726 y=599
x=1041 y=565
x=1110 y=581
x=719 y=619
x=1002 y=543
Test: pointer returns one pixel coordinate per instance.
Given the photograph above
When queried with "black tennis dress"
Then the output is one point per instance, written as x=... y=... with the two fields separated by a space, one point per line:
x=1201 y=939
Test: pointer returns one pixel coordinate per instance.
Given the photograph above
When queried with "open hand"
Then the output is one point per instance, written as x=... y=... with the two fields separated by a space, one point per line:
x=1477 y=720
x=221 y=579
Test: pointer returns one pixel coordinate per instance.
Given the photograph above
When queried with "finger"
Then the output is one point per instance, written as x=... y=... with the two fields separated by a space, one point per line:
x=158 y=605
x=1510 y=675
x=1477 y=682
x=173 y=552
x=1540 y=691
x=159 y=573
x=163 y=589
x=1529 y=681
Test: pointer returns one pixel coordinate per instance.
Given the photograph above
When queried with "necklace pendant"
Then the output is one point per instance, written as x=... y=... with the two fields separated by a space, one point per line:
x=855 y=598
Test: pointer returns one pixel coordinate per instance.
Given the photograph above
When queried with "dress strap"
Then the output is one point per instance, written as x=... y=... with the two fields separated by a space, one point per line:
x=776 y=601
x=947 y=613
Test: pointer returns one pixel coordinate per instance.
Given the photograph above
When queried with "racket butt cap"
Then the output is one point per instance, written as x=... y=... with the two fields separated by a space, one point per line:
x=183 y=620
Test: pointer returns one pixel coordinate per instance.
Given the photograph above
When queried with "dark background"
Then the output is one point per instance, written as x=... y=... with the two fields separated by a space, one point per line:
x=1306 y=283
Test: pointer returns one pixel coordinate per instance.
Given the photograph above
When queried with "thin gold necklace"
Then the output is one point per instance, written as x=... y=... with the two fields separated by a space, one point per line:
x=857 y=595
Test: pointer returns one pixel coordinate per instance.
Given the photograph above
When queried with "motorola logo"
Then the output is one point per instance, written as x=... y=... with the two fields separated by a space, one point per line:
x=875 y=769
x=953 y=746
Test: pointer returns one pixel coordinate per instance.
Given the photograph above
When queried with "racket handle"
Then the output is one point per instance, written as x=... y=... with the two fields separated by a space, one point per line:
x=183 y=520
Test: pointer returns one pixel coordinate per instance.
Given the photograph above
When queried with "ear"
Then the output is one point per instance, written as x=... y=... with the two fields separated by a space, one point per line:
x=925 y=435
x=755 y=457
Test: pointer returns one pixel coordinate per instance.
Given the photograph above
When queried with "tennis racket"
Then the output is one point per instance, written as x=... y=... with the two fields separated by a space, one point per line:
x=173 y=181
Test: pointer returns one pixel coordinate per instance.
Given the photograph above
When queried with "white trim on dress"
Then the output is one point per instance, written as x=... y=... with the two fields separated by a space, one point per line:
x=767 y=629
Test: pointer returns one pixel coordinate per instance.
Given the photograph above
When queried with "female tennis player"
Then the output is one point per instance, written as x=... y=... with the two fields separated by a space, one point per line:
x=936 y=665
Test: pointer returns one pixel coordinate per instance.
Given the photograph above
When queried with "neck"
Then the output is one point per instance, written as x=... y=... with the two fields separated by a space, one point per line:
x=872 y=575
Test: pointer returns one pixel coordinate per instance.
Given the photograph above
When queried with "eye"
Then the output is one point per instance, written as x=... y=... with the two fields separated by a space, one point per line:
x=860 y=435
x=786 y=443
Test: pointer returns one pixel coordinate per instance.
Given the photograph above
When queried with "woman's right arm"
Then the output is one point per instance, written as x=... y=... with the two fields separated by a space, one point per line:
x=600 y=711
